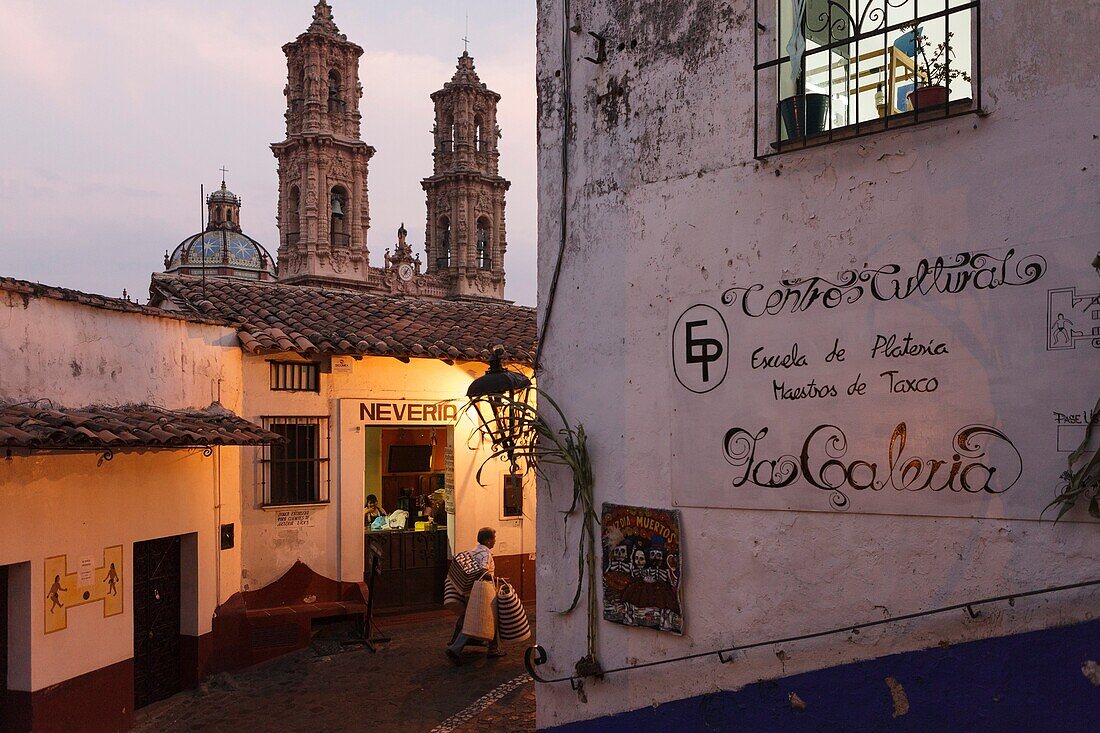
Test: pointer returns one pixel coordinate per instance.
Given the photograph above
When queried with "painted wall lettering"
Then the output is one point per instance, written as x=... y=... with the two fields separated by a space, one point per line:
x=967 y=464
x=700 y=348
x=964 y=272
x=920 y=389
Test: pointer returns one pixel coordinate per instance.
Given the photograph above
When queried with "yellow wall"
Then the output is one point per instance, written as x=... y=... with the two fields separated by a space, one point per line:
x=76 y=505
x=70 y=504
x=333 y=546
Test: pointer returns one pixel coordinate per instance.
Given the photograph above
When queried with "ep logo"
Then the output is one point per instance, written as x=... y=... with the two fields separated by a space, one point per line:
x=700 y=345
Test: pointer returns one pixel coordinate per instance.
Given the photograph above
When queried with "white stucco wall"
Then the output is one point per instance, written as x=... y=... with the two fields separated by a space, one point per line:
x=77 y=505
x=79 y=355
x=333 y=544
x=666 y=200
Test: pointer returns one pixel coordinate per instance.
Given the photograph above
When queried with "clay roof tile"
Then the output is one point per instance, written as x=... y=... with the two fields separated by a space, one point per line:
x=26 y=426
x=310 y=320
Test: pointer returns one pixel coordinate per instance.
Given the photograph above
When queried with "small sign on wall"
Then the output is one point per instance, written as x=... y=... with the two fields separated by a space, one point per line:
x=342 y=364
x=90 y=583
x=512 y=497
x=85 y=574
x=449 y=481
x=294 y=518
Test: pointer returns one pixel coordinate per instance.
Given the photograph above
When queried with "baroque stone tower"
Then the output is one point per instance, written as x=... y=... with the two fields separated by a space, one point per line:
x=323 y=211
x=465 y=236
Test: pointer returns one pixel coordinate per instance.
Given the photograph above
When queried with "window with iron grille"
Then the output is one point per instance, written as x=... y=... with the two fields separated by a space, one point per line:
x=512 y=497
x=828 y=70
x=295 y=376
x=296 y=471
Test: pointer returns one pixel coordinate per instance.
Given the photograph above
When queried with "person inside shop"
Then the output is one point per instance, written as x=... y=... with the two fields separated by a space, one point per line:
x=372 y=511
x=433 y=510
x=439 y=510
x=427 y=511
x=483 y=560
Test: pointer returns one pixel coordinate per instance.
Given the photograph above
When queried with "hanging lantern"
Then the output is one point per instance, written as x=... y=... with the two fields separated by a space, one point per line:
x=500 y=399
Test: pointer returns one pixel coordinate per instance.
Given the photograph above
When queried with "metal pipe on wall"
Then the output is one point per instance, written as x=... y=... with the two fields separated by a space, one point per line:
x=563 y=213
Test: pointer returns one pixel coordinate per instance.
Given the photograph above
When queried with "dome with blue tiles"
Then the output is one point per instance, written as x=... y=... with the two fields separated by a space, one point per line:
x=223 y=250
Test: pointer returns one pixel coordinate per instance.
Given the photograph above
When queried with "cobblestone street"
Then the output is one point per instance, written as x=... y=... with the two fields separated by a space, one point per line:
x=408 y=685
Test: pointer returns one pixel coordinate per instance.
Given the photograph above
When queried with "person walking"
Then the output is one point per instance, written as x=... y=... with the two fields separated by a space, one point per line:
x=482 y=556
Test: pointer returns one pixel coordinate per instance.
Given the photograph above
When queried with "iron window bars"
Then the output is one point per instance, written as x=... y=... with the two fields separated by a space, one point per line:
x=855 y=51
x=295 y=376
x=296 y=472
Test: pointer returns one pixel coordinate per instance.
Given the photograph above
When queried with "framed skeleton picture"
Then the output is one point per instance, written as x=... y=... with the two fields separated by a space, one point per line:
x=642 y=569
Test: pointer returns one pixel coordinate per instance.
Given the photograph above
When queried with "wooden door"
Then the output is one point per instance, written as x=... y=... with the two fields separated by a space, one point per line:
x=156 y=620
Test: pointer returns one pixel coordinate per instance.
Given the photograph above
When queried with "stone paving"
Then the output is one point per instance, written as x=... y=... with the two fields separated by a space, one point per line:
x=408 y=685
x=513 y=712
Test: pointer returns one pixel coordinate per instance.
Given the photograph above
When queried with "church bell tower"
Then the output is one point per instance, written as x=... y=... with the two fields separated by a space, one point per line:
x=323 y=211
x=465 y=237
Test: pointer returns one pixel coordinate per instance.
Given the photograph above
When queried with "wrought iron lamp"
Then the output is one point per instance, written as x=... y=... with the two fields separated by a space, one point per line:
x=521 y=432
x=500 y=398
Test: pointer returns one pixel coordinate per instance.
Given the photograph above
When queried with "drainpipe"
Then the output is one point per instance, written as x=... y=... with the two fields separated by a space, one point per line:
x=563 y=212
x=217 y=527
x=339 y=492
x=217 y=511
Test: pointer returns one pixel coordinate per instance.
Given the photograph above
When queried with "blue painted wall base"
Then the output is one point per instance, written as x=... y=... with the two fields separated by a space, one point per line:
x=1026 y=682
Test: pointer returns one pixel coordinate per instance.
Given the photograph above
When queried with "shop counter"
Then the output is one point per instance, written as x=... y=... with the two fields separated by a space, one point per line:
x=414 y=565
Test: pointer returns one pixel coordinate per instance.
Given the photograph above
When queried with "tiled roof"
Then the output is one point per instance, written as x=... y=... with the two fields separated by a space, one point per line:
x=43 y=425
x=28 y=290
x=274 y=317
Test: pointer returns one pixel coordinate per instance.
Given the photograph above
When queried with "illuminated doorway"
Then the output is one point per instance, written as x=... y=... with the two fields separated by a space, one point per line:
x=409 y=475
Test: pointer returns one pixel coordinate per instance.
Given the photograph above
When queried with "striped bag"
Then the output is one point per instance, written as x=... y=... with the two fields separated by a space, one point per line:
x=511 y=618
x=453 y=599
x=463 y=572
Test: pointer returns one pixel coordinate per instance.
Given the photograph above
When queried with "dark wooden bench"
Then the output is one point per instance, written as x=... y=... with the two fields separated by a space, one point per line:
x=256 y=625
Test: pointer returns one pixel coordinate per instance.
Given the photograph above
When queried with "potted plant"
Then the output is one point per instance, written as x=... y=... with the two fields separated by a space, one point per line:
x=939 y=72
x=803 y=114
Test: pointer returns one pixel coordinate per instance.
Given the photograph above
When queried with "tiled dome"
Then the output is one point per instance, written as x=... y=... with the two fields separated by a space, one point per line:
x=243 y=256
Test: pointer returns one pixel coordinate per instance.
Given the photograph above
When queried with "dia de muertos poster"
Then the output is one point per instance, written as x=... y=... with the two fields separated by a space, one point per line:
x=642 y=568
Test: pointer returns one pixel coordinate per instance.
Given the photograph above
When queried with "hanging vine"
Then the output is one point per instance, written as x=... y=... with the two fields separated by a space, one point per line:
x=537 y=445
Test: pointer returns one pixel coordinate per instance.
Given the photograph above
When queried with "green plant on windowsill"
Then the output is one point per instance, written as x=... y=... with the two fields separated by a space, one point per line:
x=939 y=69
x=1081 y=479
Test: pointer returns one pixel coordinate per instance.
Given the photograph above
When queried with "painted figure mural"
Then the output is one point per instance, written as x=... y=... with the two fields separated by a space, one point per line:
x=641 y=567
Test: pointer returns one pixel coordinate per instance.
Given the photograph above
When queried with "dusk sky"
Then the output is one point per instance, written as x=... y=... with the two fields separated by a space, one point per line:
x=113 y=113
